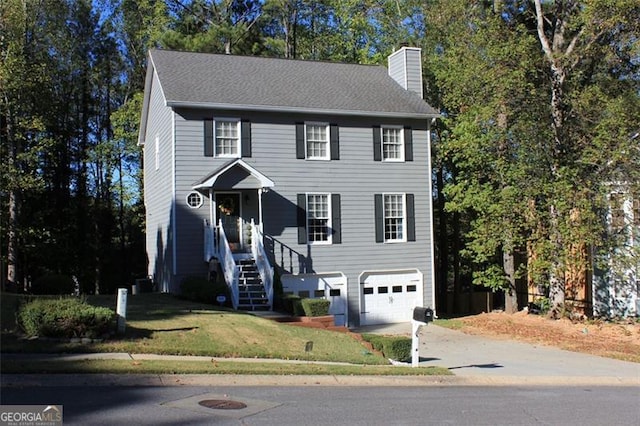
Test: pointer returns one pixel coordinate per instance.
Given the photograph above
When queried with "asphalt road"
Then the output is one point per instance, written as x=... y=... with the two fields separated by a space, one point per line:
x=322 y=405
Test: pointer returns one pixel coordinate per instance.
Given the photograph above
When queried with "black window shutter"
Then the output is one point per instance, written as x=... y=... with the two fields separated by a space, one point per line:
x=302 y=219
x=377 y=144
x=411 y=218
x=245 y=132
x=208 y=138
x=336 y=219
x=379 y=209
x=408 y=144
x=334 y=142
x=300 y=151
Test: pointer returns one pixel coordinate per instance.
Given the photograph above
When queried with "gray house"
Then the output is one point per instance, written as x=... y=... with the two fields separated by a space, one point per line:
x=313 y=174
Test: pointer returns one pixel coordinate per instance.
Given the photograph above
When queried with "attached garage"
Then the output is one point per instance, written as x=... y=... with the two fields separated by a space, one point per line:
x=389 y=296
x=331 y=286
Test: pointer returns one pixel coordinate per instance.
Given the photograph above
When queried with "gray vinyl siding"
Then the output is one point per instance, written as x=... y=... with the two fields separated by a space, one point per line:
x=397 y=69
x=356 y=177
x=158 y=197
x=405 y=68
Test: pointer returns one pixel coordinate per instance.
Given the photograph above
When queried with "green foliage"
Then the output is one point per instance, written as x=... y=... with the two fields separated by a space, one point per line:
x=392 y=347
x=291 y=304
x=524 y=173
x=315 y=307
x=68 y=317
x=199 y=289
x=53 y=284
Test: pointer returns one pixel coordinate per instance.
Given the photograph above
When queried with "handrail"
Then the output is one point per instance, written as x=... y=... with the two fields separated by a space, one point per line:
x=289 y=259
x=262 y=261
x=230 y=269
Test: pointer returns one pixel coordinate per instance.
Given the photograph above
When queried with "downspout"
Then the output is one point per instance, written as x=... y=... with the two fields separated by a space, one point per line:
x=433 y=258
x=174 y=230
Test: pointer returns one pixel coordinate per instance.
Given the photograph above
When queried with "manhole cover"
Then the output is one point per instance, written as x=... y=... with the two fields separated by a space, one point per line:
x=222 y=404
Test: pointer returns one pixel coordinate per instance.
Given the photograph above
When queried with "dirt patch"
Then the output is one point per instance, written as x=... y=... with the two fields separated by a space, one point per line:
x=619 y=340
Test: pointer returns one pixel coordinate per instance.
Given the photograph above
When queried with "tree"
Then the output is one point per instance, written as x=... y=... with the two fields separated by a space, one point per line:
x=214 y=26
x=479 y=58
x=526 y=141
x=24 y=83
x=588 y=47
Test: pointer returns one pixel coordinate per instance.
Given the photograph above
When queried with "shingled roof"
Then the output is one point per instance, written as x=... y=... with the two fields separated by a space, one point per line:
x=203 y=80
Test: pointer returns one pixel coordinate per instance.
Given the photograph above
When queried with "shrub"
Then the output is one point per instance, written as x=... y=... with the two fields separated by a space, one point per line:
x=199 y=289
x=291 y=304
x=398 y=348
x=376 y=340
x=53 y=284
x=315 y=307
x=392 y=347
x=68 y=317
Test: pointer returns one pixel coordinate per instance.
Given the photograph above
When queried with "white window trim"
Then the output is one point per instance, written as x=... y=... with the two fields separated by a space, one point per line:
x=329 y=223
x=401 y=138
x=327 y=156
x=201 y=198
x=404 y=218
x=238 y=140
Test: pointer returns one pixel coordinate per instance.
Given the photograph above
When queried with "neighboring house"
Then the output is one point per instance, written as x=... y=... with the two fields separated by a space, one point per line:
x=318 y=171
x=616 y=283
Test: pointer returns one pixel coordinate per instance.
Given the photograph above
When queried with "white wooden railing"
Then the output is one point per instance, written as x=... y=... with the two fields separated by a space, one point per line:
x=230 y=269
x=262 y=262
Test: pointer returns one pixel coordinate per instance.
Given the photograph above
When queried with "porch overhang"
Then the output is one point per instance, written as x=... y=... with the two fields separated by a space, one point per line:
x=236 y=174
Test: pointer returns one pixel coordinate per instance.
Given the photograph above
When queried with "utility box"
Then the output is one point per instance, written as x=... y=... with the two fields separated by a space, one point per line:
x=424 y=315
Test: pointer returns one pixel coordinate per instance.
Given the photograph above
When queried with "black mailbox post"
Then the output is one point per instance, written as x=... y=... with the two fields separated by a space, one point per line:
x=424 y=315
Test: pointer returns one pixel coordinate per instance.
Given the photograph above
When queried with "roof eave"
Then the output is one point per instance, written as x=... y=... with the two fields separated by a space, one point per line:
x=287 y=109
x=210 y=180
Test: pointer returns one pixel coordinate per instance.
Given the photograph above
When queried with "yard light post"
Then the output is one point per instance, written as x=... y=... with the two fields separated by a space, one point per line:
x=121 y=309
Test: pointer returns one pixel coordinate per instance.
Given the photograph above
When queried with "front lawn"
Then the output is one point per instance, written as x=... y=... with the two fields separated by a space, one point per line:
x=163 y=324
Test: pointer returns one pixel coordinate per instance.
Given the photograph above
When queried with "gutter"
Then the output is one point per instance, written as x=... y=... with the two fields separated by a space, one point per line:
x=289 y=109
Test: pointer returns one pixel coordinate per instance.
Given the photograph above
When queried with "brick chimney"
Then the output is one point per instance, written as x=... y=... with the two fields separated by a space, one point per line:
x=405 y=67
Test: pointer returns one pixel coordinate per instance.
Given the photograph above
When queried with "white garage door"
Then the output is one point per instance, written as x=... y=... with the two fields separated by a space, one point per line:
x=330 y=286
x=389 y=296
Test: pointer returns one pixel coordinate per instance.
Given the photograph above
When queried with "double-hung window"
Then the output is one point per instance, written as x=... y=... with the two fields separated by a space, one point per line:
x=394 y=218
x=317 y=141
x=617 y=201
x=319 y=218
x=392 y=143
x=227 y=138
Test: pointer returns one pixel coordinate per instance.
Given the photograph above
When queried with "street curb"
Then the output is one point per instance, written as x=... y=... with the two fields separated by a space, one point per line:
x=165 y=380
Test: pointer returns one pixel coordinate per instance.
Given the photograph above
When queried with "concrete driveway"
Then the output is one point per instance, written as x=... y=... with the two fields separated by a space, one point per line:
x=477 y=356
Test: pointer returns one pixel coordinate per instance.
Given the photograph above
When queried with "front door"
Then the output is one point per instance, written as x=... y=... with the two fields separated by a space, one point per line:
x=229 y=213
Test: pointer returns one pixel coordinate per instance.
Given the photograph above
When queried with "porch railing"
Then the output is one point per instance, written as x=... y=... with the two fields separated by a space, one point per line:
x=230 y=269
x=262 y=261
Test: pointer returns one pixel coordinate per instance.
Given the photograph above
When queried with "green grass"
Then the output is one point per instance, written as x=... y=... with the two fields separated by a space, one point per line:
x=452 y=324
x=208 y=367
x=163 y=324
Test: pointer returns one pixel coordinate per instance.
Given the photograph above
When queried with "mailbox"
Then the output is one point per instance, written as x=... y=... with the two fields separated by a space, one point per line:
x=423 y=314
